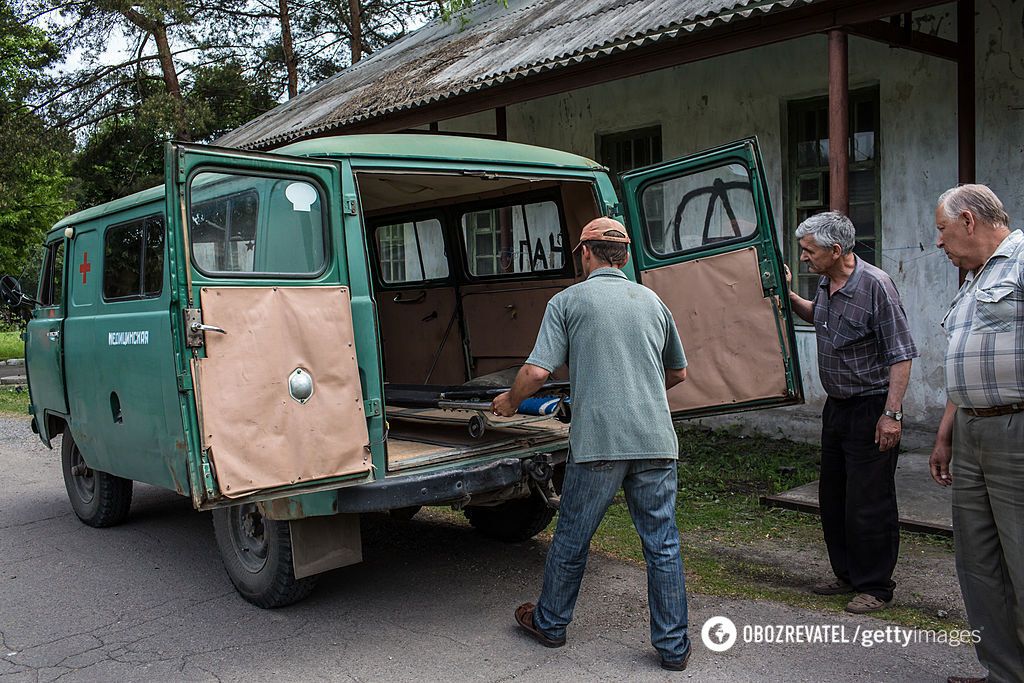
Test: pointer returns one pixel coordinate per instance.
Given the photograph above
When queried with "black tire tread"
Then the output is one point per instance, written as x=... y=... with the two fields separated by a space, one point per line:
x=113 y=493
x=284 y=589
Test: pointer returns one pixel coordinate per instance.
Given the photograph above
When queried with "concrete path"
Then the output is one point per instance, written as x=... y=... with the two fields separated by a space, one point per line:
x=432 y=601
x=924 y=505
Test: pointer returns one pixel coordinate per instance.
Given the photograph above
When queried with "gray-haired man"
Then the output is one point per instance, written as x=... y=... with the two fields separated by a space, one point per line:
x=982 y=430
x=864 y=357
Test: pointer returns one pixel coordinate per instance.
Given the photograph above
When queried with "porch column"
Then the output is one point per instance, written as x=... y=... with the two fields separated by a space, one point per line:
x=839 y=121
x=966 y=112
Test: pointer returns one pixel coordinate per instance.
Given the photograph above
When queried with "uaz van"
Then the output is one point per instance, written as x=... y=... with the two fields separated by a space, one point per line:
x=293 y=339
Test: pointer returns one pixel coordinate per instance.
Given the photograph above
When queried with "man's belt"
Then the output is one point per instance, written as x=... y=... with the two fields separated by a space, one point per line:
x=996 y=410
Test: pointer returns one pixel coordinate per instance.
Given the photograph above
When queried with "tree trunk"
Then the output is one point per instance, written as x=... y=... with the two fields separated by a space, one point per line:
x=170 y=75
x=290 y=61
x=356 y=30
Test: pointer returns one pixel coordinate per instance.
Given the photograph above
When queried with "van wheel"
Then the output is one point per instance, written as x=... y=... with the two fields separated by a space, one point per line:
x=257 y=554
x=98 y=498
x=513 y=521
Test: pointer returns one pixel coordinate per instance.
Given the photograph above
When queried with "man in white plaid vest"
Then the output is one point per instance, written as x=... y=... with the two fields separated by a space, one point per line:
x=982 y=430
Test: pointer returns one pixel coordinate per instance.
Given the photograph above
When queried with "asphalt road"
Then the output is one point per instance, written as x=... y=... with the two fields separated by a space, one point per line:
x=432 y=601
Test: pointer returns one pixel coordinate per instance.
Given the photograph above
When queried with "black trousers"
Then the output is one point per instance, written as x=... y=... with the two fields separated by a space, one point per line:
x=857 y=495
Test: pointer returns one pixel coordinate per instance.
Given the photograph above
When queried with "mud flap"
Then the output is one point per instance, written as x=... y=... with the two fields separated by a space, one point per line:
x=320 y=544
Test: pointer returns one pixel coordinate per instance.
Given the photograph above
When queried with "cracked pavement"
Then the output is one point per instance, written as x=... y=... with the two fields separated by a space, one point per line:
x=149 y=600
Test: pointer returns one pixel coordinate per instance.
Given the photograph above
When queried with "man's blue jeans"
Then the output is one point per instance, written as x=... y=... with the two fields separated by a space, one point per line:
x=588 y=490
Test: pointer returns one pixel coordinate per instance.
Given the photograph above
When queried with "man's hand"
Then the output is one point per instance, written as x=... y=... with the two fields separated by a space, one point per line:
x=887 y=432
x=502 y=405
x=789 y=276
x=938 y=463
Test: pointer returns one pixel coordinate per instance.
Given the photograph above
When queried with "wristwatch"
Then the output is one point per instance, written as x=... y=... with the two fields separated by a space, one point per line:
x=896 y=415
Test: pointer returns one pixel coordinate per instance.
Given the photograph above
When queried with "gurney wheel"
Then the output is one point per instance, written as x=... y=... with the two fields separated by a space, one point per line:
x=477 y=426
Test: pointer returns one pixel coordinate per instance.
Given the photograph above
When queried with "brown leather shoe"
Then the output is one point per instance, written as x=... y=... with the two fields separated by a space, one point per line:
x=863 y=603
x=837 y=587
x=677 y=666
x=524 y=617
x=966 y=679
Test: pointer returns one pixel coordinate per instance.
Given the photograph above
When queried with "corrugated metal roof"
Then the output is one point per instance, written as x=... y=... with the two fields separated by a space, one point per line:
x=498 y=44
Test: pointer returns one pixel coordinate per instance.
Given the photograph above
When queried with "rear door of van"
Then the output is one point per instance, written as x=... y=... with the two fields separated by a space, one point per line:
x=44 y=343
x=278 y=361
x=704 y=239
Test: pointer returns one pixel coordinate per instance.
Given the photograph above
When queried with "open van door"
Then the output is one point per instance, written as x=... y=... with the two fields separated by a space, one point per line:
x=704 y=240
x=276 y=346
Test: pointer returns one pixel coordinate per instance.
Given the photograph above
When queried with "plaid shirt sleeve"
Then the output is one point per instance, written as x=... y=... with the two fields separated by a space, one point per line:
x=892 y=331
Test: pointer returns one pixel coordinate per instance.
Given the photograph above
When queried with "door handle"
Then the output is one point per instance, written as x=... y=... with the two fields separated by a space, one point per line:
x=53 y=335
x=420 y=297
x=198 y=326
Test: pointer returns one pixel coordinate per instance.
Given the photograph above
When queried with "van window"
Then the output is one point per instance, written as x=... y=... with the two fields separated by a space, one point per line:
x=133 y=259
x=694 y=210
x=412 y=251
x=251 y=225
x=520 y=238
x=51 y=282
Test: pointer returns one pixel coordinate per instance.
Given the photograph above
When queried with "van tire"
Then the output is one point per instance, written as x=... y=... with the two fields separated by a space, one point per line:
x=99 y=499
x=257 y=554
x=513 y=521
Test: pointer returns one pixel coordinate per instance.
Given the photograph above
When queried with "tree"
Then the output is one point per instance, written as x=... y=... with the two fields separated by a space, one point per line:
x=33 y=181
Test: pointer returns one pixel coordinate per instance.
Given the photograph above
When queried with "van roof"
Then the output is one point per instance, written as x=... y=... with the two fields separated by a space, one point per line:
x=386 y=146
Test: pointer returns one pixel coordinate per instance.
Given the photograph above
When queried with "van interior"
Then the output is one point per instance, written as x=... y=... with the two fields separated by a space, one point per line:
x=463 y=268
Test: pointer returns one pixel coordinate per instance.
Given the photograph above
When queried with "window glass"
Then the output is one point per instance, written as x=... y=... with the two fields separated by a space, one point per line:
x=133 y=259
x=224 y=217
x=413 y=251
x=51 y=286
x=695 y=210
x=521 y=238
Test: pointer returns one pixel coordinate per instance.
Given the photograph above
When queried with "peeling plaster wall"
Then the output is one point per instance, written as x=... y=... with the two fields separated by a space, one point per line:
x=708 y=103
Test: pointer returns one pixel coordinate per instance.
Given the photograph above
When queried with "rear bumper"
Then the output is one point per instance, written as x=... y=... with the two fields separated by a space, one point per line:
x=433 y=488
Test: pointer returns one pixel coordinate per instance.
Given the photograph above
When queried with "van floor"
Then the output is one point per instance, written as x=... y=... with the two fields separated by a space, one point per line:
x=423 y=436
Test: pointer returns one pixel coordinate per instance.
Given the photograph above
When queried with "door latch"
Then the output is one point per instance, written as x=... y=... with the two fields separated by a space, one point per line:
x=194 y=328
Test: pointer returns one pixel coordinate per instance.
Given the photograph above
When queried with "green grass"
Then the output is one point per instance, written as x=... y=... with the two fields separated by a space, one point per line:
x=13 y=401
x=11 y=345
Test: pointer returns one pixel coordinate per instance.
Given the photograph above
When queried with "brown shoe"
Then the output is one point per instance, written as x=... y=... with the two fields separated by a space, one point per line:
x=524 y=617
x=863 y=603
x=837 y=587
x=966 y=679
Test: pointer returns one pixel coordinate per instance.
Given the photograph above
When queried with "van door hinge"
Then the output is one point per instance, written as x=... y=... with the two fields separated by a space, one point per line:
x=350 y=204
x=209 y=483
x=612 y=210
x=372 y=407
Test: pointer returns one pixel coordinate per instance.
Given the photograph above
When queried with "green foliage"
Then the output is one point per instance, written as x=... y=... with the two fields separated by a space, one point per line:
x=33 y=180
x=13 y=401
x=451 y=8
x=11 y=345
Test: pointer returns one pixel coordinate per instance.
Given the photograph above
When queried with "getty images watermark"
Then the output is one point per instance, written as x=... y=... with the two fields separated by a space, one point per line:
x=720 y=634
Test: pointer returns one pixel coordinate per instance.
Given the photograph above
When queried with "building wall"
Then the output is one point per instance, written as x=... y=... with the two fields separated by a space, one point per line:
x=711 y=102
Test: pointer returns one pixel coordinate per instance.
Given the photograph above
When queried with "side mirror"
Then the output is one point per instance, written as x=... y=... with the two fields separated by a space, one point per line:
x=11 y=294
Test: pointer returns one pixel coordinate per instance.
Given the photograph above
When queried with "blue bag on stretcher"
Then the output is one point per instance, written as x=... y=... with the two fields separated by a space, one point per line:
x=540 y=405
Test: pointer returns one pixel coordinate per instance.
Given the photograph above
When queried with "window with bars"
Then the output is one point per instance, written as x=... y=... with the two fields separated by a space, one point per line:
x=807 y=180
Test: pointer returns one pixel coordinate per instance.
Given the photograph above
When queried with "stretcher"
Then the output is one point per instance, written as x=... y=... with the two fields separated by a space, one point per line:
x=551 y=401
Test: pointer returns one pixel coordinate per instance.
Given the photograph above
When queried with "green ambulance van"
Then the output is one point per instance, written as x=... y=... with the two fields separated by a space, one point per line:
x=293 y=339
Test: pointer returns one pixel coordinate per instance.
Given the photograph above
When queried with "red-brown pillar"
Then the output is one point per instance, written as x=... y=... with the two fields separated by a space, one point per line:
x=839 y=121
x=966 y=112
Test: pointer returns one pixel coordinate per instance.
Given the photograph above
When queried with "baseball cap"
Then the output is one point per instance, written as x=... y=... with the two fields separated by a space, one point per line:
x=598 y=230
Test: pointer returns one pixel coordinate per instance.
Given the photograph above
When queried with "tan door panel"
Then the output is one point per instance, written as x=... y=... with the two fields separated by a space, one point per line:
x=412 y=331
x=258 y=436
x=503 y=323
x=729 y=330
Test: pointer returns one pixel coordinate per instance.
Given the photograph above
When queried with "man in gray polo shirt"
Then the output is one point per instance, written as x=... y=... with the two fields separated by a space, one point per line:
x=864 y=357
x=623 y=351
x=982 y=430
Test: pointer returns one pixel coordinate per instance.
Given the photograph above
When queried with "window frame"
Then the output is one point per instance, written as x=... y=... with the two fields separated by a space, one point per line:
x=794 y=173
x=521 y=199
x=633 y=135
x=676 y=255
x=398 y=218
x=323 y=195
x=145 y=220
x=45 y=287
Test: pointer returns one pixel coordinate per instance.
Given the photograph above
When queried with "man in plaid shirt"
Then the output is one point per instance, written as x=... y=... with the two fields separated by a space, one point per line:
x=864 y=357
x=982 y=430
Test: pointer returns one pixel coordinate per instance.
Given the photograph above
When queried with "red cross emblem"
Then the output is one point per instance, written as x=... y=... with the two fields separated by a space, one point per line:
x=85 y=267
